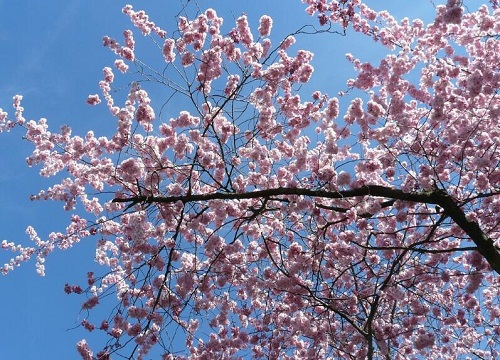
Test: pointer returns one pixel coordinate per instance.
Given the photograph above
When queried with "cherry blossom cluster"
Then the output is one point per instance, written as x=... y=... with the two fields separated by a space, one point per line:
x=243 y=222
x=141 y=21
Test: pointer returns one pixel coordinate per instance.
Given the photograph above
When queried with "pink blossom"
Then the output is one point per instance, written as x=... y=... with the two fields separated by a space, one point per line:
x=84 y=350
x=187 y=59
x=244 y=33
x=475 y=83
x=120 y=65
x=424 y=340
x=289 y=41
x=453 y=14
x=185 y=119
x=232 y=83
x=134 y=330
x=145 y=113
x=343 y=178
x=332 y=110
x=168 y=50
x=123 y=51
x=474 y=283
x=137 y=313
x=287 y=225
x=93 y=99
x=304 y=73
x=141 y=20
x=129 y=39
x=266 y=24
x=88 y=326
x=127 y=53
x=16 y=101
x=91 y=302
x=209 y=69
x=108 y=74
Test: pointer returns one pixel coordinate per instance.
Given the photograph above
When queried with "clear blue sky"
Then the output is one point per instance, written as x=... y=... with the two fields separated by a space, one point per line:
x=51 y=52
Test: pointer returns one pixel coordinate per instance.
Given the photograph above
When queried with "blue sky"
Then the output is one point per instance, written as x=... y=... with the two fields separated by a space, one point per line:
x=51 y=53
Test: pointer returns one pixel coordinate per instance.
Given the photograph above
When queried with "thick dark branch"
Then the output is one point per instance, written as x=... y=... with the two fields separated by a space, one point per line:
x=438 y=197
x=373 y=190
x=383 y=205
x=485 y=244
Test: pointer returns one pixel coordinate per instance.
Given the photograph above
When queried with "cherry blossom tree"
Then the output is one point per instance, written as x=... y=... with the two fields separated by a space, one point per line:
x=226 y=228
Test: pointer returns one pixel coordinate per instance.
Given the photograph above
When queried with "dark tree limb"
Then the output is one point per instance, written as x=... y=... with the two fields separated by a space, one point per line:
x=484 y=243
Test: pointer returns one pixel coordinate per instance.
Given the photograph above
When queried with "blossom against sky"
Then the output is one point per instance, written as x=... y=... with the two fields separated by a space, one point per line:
x=52 y=53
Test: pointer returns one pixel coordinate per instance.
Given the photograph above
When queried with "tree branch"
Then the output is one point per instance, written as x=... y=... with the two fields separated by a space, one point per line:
x=438 y=197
